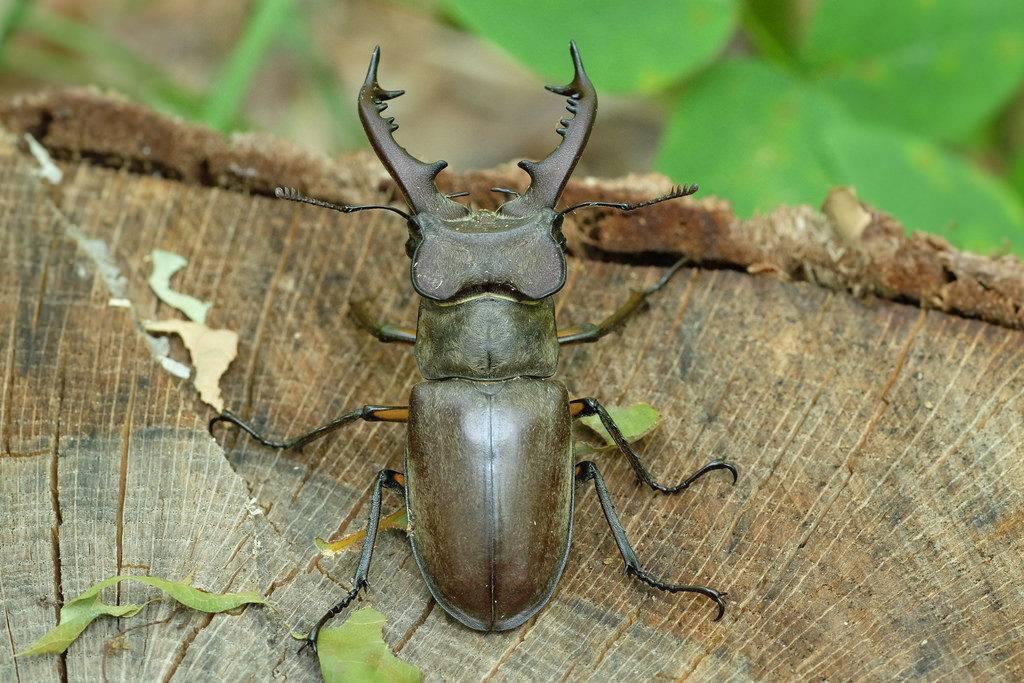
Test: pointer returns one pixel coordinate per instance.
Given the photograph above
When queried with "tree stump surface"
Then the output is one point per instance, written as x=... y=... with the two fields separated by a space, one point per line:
x=877 y=528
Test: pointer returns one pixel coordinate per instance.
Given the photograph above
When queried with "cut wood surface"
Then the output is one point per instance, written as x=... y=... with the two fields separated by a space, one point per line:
x=877 y=528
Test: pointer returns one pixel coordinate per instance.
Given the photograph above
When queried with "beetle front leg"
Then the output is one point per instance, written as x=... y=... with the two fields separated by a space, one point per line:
x=587 y=470
x=385 y=332
x=587 y=333
x=395 y=481
x=366 y=413
x=582 y=407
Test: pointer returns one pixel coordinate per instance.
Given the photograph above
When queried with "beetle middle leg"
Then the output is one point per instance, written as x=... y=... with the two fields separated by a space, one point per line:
x=587 y=470
x=385 y=478
x=586 y=333
x=385 y=332
x=366 y=413
x=582 y=407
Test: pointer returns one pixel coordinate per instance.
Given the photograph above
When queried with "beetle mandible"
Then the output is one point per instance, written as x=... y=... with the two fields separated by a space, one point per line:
x=489 y=478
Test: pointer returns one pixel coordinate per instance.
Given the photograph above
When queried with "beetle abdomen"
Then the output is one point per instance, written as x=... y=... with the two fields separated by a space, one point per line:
x=489 y=482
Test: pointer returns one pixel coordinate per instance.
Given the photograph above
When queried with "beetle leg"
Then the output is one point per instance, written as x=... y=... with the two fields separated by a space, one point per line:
x=395 y=481
x=587 y=470
x=385 y=332
x=366 y=413
x=582 y=407
x=587 y=333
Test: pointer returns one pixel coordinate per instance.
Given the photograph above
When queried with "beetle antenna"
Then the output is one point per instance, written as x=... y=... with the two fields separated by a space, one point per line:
x=291 y=194
x=677 y=192
x=453 y=195
x=505 y=190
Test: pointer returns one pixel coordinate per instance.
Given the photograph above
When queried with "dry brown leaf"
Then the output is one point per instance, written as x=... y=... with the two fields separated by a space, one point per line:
x=211 y=350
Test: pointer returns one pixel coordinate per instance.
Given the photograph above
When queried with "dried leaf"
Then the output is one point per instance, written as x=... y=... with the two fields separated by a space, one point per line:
x=166 y=264
x=356 y=651
x=212 y=352
x=635 y=422
x=77 y=614
x=396 y=520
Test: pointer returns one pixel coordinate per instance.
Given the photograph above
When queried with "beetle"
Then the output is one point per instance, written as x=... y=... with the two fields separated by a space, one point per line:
x=488 y=478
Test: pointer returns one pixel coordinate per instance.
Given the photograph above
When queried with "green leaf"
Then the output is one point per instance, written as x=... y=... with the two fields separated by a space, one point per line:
x=939 y=68
x=759 y=137
x=77 y=614
x=750 y=133
x=625 y=46
x=775 y=27
x=356 y=651
x=635 y=422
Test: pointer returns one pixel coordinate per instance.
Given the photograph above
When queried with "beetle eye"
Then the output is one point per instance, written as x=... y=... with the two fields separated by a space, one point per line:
x=559 y=237
x=413 y=242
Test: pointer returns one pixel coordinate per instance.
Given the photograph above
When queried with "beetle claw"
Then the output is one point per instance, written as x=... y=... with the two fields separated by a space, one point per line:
x=310 y=643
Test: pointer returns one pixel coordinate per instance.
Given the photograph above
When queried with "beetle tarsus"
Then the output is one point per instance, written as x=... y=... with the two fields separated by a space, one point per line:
x=710 y=593
x=705 y=469
x=314 y=634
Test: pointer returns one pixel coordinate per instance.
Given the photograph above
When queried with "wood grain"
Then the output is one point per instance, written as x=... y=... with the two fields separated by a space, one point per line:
x=876 y=531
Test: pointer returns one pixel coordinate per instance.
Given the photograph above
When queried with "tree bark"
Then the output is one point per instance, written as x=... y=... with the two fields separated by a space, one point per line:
x=877 y=528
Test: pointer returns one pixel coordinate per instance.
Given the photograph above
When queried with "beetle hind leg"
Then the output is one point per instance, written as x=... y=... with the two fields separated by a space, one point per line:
x=385 y=478
x=586 y=471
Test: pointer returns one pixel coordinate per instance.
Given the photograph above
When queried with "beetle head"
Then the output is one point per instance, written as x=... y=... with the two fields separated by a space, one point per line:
x=517 y=250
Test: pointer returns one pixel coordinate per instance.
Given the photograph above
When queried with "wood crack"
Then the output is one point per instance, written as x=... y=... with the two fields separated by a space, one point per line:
x=58 y=517
x=854 y=453
x=186 y=643
x=6 y=393
x=411 y=631
x=524 y=630
x=122 y=480
x=14 y=649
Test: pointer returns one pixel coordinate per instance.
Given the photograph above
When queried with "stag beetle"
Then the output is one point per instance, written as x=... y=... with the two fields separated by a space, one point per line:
x=489 y=478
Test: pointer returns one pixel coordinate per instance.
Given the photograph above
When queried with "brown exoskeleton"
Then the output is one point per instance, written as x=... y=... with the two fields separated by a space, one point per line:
x=489 y=477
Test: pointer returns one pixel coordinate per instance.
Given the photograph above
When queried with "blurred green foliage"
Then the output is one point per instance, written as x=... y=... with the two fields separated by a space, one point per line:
x=775 y=101
x=537 y=33
x=919 y=104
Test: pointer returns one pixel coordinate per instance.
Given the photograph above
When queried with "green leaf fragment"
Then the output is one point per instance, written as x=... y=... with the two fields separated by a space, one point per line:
x=78 y=613
x=356 y=651
x=635 y=422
